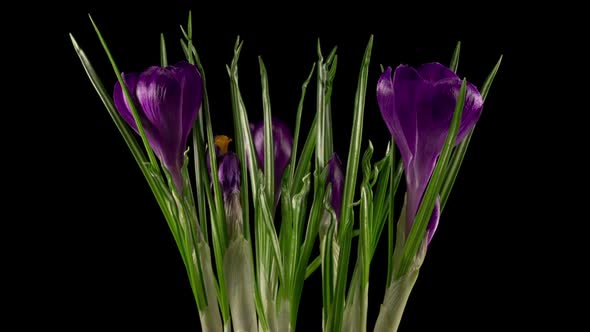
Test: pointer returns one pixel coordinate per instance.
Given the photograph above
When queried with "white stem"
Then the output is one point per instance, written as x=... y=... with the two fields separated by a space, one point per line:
x=210 y=318
x=239 y=280
x=355 y=311
x=396 y=297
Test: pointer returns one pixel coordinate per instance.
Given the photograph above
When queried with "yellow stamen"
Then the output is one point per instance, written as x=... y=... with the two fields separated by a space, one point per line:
x=222 y=143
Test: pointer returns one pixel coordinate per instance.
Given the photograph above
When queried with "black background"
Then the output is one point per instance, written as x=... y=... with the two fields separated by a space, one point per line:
x=108 y=258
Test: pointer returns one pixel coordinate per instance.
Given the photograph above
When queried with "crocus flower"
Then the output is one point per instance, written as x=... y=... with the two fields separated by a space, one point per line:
x=417 y=106
x=167 y=100
x=336 y=178
x=221 y=143
x=282 y=143
x=228 y=173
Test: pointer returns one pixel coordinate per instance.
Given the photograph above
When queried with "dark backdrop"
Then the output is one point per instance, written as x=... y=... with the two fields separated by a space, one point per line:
x=113 y=263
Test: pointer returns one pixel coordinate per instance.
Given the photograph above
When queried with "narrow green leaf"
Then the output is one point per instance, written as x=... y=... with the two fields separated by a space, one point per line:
x=331 y=56
x=355 y=141
x=189 y=37
x=391 y=217
x=312 y=267
x=381 y=201
x=267 y=218
x=455 y=59
x=304 y=164
x=328 y=136
x=184 y=34
x=216 y=205
x=299 y=211
x=461 y=149
x=185 y=49
x=128 y=98
x=328 y=271
x=244 y=141
x=321 y=155
x=298 y=127
x=269 y=177
x=163 y=53
x=202 y=177
x=490 y=79
x=417 y=233
x=346 y=213
x=317 y=208
x=365 y=219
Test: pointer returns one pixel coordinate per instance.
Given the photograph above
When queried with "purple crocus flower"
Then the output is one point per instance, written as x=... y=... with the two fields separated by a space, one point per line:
x=229 y=174
x=228 y=167
x=417 y=106
x=336 y=178
x=167 y=101
x=282 y=143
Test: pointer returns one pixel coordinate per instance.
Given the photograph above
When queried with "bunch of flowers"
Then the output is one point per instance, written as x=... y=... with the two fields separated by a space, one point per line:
x=246 y=220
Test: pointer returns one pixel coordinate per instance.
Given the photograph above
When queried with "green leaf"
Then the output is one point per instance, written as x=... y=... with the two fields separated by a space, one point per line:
x=490 y=79
x=299 y=209
x=189 y=37
x=267 y=219
x=395 y=177
x=240 y=281
x=331 y=57
x=381 y=201
x=163 y=53
x=317 y=209
x=216 y=205
x=128 y=98
x=346 y=213
x=185 y=49
x=328 y=270
x=365 y=243
x=461 y=149
x=455 y=59
x=293 y=162
x=331 y=66
x=304 y=164
x=418 y=231
x=312 y=267
x=321 y=155
x=244 y=141
x=269 y=177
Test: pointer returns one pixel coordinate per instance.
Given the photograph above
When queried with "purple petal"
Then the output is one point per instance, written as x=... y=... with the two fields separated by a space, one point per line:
x=159 y=94
x=336 y=178
x=257 y=130
x=434 y=218
x=396 y=102
x=471 y=111
x=434 y=118
x=435 y=108
x=131 y=80
x=229 y=174
x=192 y=92
x=412 y=209
x=121 y=102
x=282 y=143
x=434 y=72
